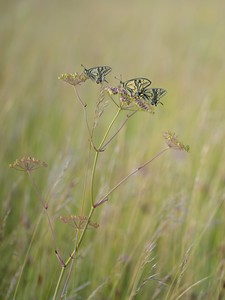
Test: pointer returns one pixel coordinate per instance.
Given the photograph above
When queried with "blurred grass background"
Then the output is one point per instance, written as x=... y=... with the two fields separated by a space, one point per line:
x=176 y=203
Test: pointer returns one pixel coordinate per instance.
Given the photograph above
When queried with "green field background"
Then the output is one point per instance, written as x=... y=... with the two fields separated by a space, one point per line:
x=161 y=235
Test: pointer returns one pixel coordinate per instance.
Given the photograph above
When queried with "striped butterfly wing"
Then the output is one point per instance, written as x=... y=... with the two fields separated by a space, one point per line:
x=137 y=87
x=154 y=95
x=97 y=74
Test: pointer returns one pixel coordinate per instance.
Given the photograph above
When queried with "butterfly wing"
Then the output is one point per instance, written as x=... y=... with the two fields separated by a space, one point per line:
x=98 y=74
x=137 y=87
x=154 y=95
x=102 y=72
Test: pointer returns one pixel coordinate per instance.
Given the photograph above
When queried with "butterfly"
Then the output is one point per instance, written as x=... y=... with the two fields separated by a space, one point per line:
x=97 y=74
x=137 y=87
x=154 y=95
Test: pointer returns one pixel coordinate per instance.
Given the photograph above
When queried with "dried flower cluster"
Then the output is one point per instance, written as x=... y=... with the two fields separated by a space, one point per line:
x=78 y=222
x=129 y=102
x=27 y=164
x=73 y=79
x=173 y=142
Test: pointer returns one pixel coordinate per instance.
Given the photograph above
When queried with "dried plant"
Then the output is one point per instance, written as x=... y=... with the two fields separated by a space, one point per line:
x=134 y=96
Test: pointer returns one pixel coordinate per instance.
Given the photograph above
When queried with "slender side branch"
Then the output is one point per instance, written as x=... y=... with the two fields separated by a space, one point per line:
x=70 y=271
x=73 y=253
x=128 y=116
x=97 y=154
x=60 y=259
x=105 y=198
x=84 y=105
x=79 y=98
x=45 y=206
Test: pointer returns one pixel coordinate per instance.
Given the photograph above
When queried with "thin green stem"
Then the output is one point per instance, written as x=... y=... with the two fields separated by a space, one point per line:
x=127 y=118
x=97 y=154
x=58 y=283
x=82 y=235
x=72 y=256
x=70 y=270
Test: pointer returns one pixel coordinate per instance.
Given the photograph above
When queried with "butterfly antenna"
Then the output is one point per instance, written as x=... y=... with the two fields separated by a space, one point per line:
x=83 y=67
x=120 y=80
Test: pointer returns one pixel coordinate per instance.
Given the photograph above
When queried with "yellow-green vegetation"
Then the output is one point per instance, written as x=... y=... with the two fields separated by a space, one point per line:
x=117 y=209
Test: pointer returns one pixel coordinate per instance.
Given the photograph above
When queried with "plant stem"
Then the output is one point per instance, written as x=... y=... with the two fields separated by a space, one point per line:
x=128 y=116
x=128 y=176
x=70 y=270
x=84 y=106
x=97 y=154
x=45 y=206
x=92 y=207
x=73 y=253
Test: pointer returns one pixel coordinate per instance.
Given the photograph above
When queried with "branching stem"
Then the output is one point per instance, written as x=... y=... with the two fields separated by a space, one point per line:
x=97 y=155
x=105 y=198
